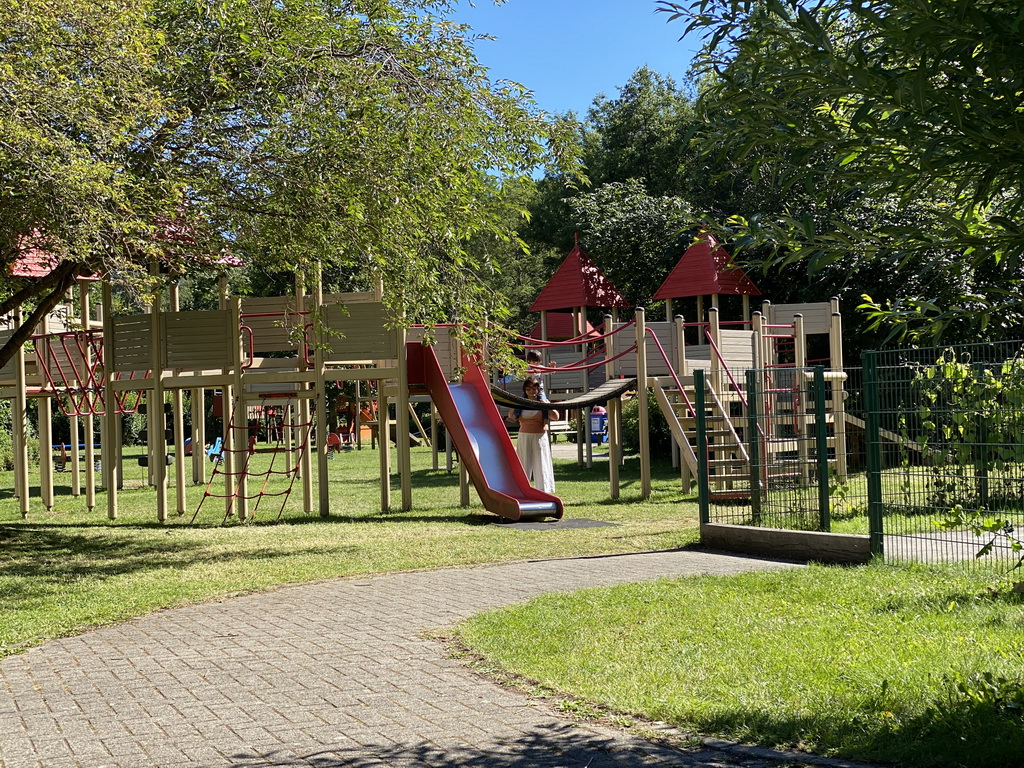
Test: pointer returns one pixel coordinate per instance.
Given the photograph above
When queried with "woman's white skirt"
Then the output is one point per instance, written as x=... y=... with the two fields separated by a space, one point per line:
x=534 y=450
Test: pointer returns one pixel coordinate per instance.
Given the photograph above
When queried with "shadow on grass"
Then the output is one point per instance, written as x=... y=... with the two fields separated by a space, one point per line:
x=44 y=556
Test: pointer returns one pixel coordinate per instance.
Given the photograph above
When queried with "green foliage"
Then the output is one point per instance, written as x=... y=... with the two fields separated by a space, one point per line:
x=659 y=433
x=637 y=237
x=970 y=703
x=640 y=134
x=361 y=137
x=848 y=102
x=970 y=417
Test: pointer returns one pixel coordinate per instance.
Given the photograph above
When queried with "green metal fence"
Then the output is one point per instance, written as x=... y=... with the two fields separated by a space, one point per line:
x=920 y=449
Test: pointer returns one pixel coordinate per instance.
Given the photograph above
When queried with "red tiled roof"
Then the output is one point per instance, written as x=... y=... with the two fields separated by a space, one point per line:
x=560 y=327
x=578 y=283
x=704 y=270
x=34 y=262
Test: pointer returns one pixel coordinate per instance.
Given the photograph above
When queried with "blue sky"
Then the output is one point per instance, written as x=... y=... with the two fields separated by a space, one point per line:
x=569 y=51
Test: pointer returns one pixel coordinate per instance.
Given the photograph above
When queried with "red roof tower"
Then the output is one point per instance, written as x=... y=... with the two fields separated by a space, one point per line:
x=705 y=270
x=578 y=282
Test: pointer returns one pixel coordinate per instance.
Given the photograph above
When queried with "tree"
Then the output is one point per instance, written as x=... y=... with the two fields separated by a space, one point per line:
x=344 y=133
x=912 y=101
x=638 y=138
x=636 y=238
x=640 y=134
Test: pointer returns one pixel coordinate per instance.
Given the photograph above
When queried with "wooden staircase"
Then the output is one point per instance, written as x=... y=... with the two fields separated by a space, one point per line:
x=728 y=461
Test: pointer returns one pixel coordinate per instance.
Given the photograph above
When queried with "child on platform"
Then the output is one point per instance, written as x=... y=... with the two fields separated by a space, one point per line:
x=534 y=447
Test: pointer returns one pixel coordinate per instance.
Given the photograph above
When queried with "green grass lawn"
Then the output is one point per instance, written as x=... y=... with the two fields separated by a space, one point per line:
x=876 y=663
x=67 y=570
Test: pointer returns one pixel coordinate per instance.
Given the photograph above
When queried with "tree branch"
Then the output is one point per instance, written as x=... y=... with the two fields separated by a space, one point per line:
x=36 y=287
x=66 y=278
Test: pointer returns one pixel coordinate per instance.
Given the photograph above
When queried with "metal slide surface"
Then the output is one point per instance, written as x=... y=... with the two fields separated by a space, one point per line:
x=485 y=449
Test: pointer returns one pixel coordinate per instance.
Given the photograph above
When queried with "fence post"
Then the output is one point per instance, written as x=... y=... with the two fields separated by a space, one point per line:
x=703 y=484
x=821 y=440
x=873 y=448
x=754 y=447
x=981 y=451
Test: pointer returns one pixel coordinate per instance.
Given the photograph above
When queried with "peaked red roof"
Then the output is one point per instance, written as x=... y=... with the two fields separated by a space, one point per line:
x=704 y=270
x=578 y=283
x=560 y=327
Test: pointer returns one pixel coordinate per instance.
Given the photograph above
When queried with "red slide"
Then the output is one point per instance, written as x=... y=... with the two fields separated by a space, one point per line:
x=480 y=437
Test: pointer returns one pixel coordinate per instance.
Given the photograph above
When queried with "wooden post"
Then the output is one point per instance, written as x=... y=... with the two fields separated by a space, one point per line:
x=746 y=308
x=89 y=435
x=73 y=420
x=178 y=415
x=111 y=445
x=197 y=406
x=641 y=382
x=614 y=424
x=384 y=446
x=402 y=408
x=544 y=330
x=715 y=333
x=239 y=412
x=323 y=486
x=582 y=416
x=19 y=423
x=158 y=435
x=44 y=408
x=433 y=436
x=463 y=485
x=305 y=415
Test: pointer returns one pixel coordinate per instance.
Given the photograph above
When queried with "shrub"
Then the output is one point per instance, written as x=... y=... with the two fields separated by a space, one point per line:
x=7 y=438
x=657 y=427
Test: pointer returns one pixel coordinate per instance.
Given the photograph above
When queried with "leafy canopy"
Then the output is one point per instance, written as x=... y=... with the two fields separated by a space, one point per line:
x=359 y=135
x=877 y=101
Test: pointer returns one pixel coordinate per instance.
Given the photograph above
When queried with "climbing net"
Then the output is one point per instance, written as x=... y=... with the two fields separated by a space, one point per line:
x=72 y=364
x=246 y=470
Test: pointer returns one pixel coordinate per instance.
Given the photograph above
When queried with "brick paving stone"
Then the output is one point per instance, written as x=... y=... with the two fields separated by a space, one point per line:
x=331 y=674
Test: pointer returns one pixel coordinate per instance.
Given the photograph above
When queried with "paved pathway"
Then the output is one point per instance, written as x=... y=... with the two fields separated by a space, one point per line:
x=331 y=674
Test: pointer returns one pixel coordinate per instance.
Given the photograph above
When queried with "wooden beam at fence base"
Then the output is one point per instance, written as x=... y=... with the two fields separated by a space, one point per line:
x=803 y=546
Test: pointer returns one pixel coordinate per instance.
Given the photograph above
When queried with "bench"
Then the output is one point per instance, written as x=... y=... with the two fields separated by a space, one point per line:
x=560 y=427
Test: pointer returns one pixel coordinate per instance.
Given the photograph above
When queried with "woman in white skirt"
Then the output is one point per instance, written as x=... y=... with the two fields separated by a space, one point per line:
x=534 y=447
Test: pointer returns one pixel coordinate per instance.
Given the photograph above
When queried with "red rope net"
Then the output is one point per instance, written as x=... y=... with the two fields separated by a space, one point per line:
x=289 y=471
x=72 y=364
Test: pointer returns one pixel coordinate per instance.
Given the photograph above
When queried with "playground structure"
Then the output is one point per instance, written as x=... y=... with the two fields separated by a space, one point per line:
x=673 y=357
x=268 y=361
x=284 y=351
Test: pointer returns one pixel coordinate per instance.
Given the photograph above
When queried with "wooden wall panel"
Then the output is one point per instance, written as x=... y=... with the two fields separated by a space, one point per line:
x=358 y=334
x=273 y=334
x=817 y=315
x=195 y=341
x=133 y=343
